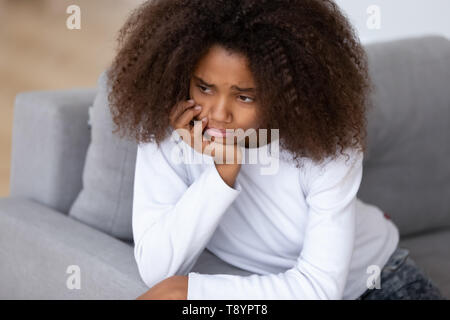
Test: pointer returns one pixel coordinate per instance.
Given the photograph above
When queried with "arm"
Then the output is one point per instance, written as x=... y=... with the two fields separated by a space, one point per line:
x=173 y=222
x=323 y=264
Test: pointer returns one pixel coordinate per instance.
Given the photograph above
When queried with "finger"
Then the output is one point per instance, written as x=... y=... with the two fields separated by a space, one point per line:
x=185 y=129
x=201 y=124
x=203 y=148
x=197 y=132
x=208 y=147
x=179 y=108
x=184 y=119
x=223 y=152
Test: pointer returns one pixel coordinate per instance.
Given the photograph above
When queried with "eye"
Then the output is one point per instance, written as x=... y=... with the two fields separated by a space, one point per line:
x=252 y=100
x=201 y=88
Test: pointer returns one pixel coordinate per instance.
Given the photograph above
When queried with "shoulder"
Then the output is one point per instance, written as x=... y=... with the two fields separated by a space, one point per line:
x=333 y=169
x=167 y=156
x=168 y=148
x=340 y=161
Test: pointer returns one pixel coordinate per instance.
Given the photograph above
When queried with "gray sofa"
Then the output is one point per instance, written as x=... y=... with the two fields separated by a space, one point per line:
x=45 y=226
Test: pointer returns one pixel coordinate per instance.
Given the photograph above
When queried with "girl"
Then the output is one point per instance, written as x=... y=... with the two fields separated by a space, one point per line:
x=192 y=75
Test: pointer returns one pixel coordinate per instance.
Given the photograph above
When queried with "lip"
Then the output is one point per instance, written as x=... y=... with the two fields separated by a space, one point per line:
x=214 y=128
x=216 y=132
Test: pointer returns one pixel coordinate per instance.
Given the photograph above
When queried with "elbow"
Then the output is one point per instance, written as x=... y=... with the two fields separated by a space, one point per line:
x=334 y=293
x=148 y=278
x=149 y=270
x=159 y=258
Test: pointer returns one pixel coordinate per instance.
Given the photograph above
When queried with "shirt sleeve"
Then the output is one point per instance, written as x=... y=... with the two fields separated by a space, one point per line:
x=322 y=267
x=172 y=221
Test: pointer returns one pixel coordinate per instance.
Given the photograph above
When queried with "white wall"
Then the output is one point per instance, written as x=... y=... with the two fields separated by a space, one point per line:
x=398 y=18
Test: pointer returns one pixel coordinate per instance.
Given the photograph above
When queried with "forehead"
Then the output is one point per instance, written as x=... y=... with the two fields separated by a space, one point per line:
x=220 y=66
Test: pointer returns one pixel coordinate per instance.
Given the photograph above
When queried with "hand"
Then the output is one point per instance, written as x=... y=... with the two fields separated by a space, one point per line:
x=172 y=288
x=182 y=120
x=227 y=154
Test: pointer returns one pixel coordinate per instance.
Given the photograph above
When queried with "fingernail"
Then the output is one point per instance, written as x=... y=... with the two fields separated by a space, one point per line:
x=197 y=107
x=190 y=101
x=204 y=119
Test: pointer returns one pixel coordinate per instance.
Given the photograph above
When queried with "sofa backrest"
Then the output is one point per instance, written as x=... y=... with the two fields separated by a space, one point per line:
x=406 y=170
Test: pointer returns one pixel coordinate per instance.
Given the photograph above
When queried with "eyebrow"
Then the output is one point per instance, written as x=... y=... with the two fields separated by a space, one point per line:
x=232 y=87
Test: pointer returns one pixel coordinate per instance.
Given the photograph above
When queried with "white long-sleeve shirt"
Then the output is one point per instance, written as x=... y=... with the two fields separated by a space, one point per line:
x=301 y=231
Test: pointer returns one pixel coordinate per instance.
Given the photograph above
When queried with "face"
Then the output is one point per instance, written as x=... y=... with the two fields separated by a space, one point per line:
x=223 y=85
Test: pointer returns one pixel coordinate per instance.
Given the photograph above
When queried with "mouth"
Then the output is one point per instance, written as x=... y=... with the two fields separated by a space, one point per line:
x=221 y=133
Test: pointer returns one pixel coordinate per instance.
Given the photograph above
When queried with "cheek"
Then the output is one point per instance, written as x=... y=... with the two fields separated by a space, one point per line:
x=254 y=120
x=191 y=92
x=249 y=120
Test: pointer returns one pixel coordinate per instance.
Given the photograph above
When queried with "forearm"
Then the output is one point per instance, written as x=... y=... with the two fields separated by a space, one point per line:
x=172 y=237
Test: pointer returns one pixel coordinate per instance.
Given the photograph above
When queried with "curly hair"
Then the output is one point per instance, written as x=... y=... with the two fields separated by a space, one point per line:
x=310 y=69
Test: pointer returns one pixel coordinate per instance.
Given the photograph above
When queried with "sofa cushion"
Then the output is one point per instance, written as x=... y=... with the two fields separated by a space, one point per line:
x=105 y=201
x=407 y=168
x=49 y=144
x=209 y=263
x=430 y=251
x=38 y=244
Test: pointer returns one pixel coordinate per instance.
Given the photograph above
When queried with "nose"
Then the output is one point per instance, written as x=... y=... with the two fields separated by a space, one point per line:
x=219 y=112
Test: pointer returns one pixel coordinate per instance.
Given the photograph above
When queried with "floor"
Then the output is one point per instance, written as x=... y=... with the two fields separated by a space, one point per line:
x=38 y=52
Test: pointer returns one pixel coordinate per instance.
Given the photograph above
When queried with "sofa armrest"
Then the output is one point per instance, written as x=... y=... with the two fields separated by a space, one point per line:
x=50 y=139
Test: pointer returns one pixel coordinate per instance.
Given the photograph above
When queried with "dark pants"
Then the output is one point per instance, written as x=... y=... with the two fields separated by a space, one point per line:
x=402 y=279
